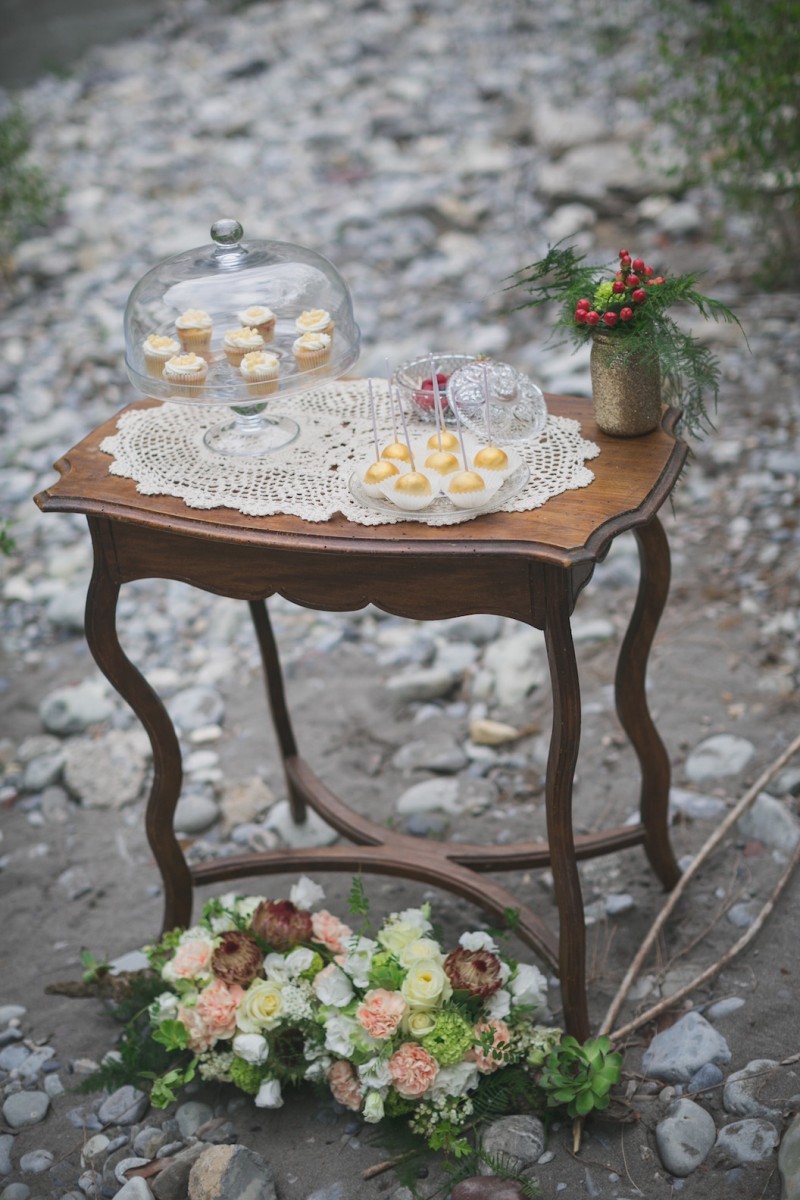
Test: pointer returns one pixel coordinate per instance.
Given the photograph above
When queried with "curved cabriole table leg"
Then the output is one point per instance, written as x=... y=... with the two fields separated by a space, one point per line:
x=631 y=699
x=101 y=635
x=564 y=744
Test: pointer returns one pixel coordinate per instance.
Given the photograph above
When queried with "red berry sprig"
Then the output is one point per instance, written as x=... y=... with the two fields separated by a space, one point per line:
x=628 y=290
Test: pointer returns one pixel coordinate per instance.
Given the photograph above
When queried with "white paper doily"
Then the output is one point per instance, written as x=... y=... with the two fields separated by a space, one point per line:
x=162 y=450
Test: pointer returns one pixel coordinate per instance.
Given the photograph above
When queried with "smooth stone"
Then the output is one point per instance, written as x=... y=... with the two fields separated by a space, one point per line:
x=749 y=1141
x=518 y=1140
x=789 y=1160
x=312 y=832
x=33 y=1064
x=427 y=683
x=94 y=1150
x=36 y=1161
x=425 y=825
x=228 y=1171
x=9 y=1035
x=6 y=1146
x=478 y=629
x=674 y=1055
x=440 y=754
x=488 y=1187
x=16 y=1191
x=107 y=772
x=195 y=707
x=618 y=903
x=11 y=1012
x=244 y=801
x=75 y=882
x=785 y=783
x=685 y=1137
x=742 y=1089
x=194 y=813
x=148 y=1141
x=43 y=772
x=696 y=806
x=191 y=1115
x=772 y=822
x=518 y=664
x=13 y=1056
x=597 y=629
x=741 y=915
x=25 y=1108
x=432 y=795
x=128 y=1164
x=53 y=1086
x=718 y=757
x=485 y=732
x=723 y=1008
x=125 y=1106
x=70 y=710
x=134 y=1189
x=90 y=1183
x=67 y=609
x=173 y=1182
x=708 y=1076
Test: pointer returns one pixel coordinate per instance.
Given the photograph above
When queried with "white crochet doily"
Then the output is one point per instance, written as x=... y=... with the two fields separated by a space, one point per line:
x=162 y=449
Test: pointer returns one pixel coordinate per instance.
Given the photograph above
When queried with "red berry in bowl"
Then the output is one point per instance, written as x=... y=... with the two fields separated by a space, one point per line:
x=425 y=399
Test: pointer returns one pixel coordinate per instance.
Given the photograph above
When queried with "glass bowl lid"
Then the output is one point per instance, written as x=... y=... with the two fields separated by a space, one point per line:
x=212 y=307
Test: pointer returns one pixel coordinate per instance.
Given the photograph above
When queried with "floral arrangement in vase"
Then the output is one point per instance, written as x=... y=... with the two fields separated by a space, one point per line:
x=265 y=994
x=624 y=309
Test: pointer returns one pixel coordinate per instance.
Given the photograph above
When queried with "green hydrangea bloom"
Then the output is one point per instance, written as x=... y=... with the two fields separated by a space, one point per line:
x=317 y=963
x=395 y=1106
x=603 y=296
x=450 y=1038
x=247 y=1076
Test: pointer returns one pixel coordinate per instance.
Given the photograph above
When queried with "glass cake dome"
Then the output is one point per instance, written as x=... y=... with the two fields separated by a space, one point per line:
x=240 y=324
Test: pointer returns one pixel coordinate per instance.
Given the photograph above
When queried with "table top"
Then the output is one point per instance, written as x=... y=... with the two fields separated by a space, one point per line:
x=633 y=477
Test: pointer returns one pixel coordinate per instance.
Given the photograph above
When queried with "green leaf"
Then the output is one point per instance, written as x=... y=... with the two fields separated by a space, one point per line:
x=584 y=1103
x=172 y=1034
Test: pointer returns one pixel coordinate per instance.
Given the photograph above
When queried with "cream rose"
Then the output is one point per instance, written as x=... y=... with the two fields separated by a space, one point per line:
x=426 y=985
x=373 y=1108
x=261 y=1007
x=419 y=950
x=528 y=986
x=402 y=928
x=419 y=1022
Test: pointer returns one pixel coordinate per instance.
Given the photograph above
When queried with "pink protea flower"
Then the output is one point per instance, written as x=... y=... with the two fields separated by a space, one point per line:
x=237 y=958
x=475 y=971
x=281 y=924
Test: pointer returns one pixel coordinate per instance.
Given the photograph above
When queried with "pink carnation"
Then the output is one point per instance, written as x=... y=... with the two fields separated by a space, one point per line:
x=329 y=930
x=413 y=1070
x=200 y=1038
x=381 y=1012
x=216 y=1009
x=344 y=1084
x=191 y=959
x=487 y=1062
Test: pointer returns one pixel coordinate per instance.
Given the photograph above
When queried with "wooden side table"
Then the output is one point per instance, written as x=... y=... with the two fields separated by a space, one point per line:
x=530 y=566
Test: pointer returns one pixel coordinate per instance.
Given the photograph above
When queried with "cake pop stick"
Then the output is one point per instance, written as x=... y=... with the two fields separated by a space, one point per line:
x=374 y=418
x=405 y=427
x=486 y=391
x=460 y=432
x=437 y=403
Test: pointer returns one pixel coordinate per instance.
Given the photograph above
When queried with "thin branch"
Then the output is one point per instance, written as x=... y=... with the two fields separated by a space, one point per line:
x=680 y=887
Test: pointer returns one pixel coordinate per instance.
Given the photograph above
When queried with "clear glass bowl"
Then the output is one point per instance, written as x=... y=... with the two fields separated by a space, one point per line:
x=497 y=403
x=409 y=378
x=223 y=279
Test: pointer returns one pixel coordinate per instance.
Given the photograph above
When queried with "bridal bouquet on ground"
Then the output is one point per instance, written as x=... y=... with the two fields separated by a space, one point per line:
x=268 y=993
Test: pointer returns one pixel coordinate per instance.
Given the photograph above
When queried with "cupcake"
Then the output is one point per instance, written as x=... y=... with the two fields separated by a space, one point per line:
x=314 y=320
x=260 y=318
x=194 y=329
x=312 y=350
x=157 y=349
x=259 y=369
x=188 y=371
x=238 y=342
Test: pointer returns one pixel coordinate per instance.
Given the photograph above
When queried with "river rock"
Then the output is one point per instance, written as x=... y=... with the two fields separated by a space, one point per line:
x=518 y=664
x=195 y=707
x=517 y=1141
x=195 y=812
x=70 y=710
x=107 y=772
x=173 y=1182
x=485 y=732
x=25 y=1108
x=772 y=822
x=427 y=683
x=227 y=1171
x=125 y=1106
x=749 y=1141
x=744 y=1090
x=440 y=754
x=6 y=1145
x=789 y=1160
x=719 y=757
x=135 y=1189
x=695 y=805
x=685 y=1136
x=675 y=1054
x=36 y=1161
x=312 y=832
x=244 y=801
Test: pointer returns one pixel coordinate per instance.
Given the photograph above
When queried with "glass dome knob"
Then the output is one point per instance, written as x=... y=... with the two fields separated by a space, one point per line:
x=226 y=232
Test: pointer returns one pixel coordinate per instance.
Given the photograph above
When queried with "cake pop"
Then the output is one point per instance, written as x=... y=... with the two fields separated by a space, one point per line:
x=490 y=458
x=382 y=469
x=442 y=461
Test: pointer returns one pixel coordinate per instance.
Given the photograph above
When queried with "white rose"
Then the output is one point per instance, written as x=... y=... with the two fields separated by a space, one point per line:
x=426 y=985
x=373 y=1108
x=333 y=987
x=165 y=1005
x=455 y=1080
x=261 y=1007
x=478 y=941
x=375 y=1073
x=358 y=959
x=419 y=1022
x=340 y=1035
x=528 y=986
x=498 y=1005
x=305 y=893
x=402 y=928
x=269 y=1095
x=275 y=967
x=419 y=949
x=299 y=960
x=252 y=1047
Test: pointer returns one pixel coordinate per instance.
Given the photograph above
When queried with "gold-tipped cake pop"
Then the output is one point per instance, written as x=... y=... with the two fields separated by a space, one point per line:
x=465 y=482
x=491 y=458
x=413 y=483
x=396 y=451
x=442 y=461
x=443 y=440
x=380 y=471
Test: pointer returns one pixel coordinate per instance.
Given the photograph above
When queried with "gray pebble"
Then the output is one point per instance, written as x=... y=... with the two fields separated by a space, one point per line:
x=36 y=1161
x=15 y=1191
x=191 y=1116
x=675 y=1054
x=125 y=1106
x=13 y=1056
x=744 y=1090
x=685 y=1136
x=749 y=1141
x=6 y=1145
x=135 y=1189
x=718 y=757
x=25 y=1108
x=70 y=710
x=723 y=1008
x=520 y=1140
x=708 y=1076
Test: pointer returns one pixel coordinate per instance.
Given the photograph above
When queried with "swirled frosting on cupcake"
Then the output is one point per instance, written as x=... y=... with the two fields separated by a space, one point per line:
x=314 y=320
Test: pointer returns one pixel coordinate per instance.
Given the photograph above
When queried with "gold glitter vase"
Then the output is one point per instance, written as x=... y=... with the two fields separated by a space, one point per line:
x=626 y=391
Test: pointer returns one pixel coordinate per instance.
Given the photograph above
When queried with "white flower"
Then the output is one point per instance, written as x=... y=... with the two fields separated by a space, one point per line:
x=426 y=985
x=165 y=1005
x=358 y=959
x=216 y=1067
x=528 y=986
x=375 y=1073
x=505 y=970
x=299 y=960
x=333 y=987
x=419 y=1022
x=305 y=893
x=402 y=928
x=269 y=1095
x=247 y=905
x=275 y=967
x=373 y=1108
x=296 y=1001
x=340 y=1035
x=455 y=1080
x=317 y=1070
x=478 y=941
x=252 y=1047
x=261 y=1007
x=498 y=1005
x=420 y=948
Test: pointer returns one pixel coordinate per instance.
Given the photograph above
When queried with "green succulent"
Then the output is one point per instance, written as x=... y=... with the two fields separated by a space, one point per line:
x=580 y=1077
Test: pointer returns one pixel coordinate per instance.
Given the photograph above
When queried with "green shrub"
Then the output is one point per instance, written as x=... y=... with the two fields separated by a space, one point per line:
x=26 y=198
